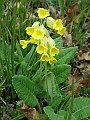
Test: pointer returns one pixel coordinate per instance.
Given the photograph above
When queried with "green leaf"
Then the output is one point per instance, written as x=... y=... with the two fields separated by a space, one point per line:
x=61 y=5
x=27 y=59
x=26 y=89
x=24 y=63
x=66 y=55
x=1 y=86
x=50 y=113
x=81 y=108
x=63 y=113
x=58 y=42
x=5 y=50
x=51 y=85
x=52 y=88
x=56 y=101
x=19 y=51
x=29 y=55
x=61 y=72
x=36 y=76
x=0 y=47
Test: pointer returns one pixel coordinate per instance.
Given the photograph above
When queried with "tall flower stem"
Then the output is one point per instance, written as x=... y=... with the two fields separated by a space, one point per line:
x=46 y=80
x=40 y=72
x=41 y=21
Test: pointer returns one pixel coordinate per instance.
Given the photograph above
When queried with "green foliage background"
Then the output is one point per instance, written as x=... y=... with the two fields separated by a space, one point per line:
x=20 y=69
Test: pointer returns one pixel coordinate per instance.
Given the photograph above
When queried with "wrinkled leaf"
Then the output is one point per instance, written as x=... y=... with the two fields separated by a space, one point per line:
x=66 y=55
x=50 y=113
x=26 y=89
x=61 y=72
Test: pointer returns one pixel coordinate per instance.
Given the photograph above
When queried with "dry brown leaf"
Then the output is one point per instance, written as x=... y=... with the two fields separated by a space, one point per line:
x=80 y=55
x=71 y=12
x=88 y=67
x=85 y=82
x=84 y=56
x=52 y=9
x=77 y=80
x=68 y=38
x=87 y=56
x=65 y=2
x=30 y=113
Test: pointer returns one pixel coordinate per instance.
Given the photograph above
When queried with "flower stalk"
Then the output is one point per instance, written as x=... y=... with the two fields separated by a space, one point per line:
x=46 y=79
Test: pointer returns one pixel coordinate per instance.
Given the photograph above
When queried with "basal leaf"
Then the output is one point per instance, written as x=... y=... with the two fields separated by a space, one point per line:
x=81 y=108
x=58 y=42
x=56 y=101
x=26 y=89
x=52 y=87
x=50 y=113
x=66 y=55
x=61 y=72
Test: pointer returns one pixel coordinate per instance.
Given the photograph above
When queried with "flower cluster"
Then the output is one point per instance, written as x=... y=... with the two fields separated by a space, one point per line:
x=40 y=36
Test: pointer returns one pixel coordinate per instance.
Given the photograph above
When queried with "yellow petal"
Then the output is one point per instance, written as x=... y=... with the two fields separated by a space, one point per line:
x=24 y=43
x=43 y=13
x=45 y=57
x=52 y=60
x=61 y=31
x=54 y=51
x=34 y=41
x=38 y=33
x=29 y=30
x=58 y=24
x=41 y=49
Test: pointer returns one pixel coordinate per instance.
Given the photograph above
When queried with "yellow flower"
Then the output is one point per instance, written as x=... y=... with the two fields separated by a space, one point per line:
x=45 y=30
x=61 y=31
x=34 y=41
x=29 y=30
x=52 y=60
x=43 y=13
x=51 y=42
x=38 y=33
x=48 y=41
x=45 y=57
x=50 y=22
x=41 y=49
x=54 y=51
x=24 y=43
x=58 y=24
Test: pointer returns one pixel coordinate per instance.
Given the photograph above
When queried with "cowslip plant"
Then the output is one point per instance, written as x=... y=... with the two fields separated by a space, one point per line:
x=44 y=69
x=40 y=36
